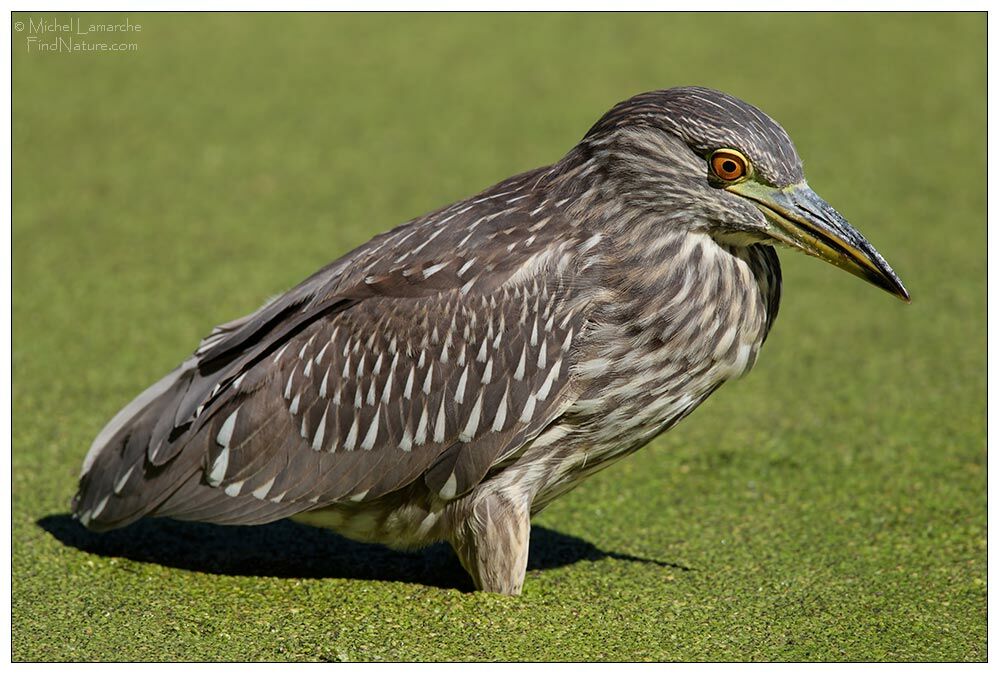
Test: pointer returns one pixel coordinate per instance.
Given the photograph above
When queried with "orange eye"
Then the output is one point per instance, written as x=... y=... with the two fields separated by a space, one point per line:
x=729 y=164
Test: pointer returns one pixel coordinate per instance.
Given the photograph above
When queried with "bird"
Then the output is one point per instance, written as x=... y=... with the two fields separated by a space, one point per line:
x=451 y=377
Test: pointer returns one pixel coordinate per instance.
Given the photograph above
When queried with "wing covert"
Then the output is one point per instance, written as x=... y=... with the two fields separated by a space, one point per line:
x=393 y=388
x=434 y=350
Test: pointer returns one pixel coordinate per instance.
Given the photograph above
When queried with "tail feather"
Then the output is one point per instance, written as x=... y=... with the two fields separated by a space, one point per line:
x=118 y=483
x=150 y=458
x=142 y=464
x=123 y=421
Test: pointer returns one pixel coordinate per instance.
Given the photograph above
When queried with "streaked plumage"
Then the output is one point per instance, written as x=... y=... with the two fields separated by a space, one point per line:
x=451 y=377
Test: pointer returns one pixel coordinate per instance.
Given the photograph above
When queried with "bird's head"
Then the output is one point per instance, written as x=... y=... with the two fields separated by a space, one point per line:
x=702 y=159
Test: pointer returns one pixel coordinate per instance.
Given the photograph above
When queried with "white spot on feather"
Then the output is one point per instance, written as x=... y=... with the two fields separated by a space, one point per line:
x=280 y=353
x=433 y=269
x=317 y=442
x=567 y=341
x=351 y=436
x=429 y=379
x=218 y=468
x=450 y=487
x=473 y=421
x=421 y=428
x=406 y=444
x=500 y=419
x=322 y=386
x=264 y=489
x=528 y=412
x=319 y=357
x=99 y=508
x=372 y=435
x=387 y=392
x=225 y=432
x=407 y=393
x=459 y=393
x=521 y=366
x=120 y=484
x=552 y=376
x=539 y=224
x=439 y=426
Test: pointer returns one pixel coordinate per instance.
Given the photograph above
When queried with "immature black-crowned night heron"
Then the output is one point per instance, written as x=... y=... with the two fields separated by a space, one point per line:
x=449 y=378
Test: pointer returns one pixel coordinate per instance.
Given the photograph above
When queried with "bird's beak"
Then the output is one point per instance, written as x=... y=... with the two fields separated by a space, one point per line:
x=802 y=219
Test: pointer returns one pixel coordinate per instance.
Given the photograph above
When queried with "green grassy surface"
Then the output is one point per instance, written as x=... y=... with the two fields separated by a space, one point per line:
x=831 y=506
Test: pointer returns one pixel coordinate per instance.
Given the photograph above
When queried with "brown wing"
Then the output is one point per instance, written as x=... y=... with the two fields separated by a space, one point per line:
x=390 y=389
x=309 y=399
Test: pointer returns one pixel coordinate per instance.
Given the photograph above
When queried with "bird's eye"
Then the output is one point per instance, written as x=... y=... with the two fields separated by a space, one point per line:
x=729 y=164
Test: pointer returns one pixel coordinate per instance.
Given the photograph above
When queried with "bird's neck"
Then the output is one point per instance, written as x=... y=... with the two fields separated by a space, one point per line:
x=682 y=282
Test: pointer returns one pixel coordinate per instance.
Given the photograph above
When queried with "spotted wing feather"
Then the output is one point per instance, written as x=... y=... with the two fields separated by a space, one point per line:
x=372 y=399
x=490 y=271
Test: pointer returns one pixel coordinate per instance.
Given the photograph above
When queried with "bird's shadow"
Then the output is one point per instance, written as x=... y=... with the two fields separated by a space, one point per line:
x=286 y=549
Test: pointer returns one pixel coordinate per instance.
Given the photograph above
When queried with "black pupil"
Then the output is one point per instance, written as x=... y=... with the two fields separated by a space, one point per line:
x=729 y=166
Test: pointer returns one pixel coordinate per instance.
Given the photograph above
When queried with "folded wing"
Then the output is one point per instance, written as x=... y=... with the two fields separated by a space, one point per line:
x=399 y=362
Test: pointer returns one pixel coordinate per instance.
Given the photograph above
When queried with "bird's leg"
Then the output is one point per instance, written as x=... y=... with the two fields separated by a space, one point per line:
x=492 y=543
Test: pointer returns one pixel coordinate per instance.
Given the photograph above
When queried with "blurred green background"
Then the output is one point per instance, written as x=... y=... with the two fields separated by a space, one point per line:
x=831 y=506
